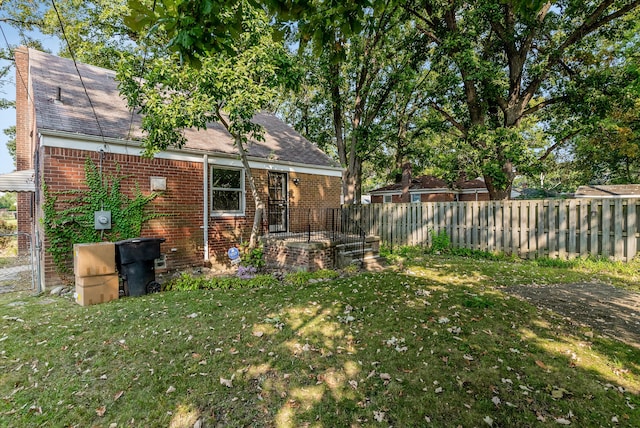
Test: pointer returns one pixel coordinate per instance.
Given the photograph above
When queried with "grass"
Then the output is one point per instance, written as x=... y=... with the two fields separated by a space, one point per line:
x=434 y=344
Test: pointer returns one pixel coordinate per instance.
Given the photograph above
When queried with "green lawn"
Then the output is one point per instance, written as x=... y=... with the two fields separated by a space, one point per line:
x=433 y=344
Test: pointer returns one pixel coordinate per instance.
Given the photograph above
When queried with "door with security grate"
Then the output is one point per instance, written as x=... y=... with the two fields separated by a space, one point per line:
x=278 y=212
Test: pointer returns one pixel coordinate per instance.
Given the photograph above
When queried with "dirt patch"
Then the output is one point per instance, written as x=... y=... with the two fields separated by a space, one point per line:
x=611 y=311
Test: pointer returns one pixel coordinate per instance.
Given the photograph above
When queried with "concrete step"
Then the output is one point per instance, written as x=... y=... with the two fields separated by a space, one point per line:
x=373 y=264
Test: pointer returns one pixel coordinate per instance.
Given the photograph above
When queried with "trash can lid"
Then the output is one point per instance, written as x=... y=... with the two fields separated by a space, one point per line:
x=138 y=240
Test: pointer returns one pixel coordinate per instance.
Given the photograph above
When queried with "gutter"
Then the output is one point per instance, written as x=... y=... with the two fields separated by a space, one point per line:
x=137 y=146
x=205 y=205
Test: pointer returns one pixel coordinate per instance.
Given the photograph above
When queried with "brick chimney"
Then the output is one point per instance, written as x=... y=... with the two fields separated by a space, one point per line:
x=24 y=145
x=406 y=182
x=23 y=108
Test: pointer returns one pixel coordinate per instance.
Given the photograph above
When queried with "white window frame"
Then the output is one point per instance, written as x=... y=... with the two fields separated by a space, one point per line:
x=416 y=198
x=218 y=213
x=387 y=199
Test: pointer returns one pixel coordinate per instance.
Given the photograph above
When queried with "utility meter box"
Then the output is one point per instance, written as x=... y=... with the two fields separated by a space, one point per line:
x=102 y=220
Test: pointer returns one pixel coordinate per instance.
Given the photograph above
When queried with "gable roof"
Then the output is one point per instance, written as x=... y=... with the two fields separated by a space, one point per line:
x=61 y=105
x=417 y=183
x=429 y=182
x=609 y=191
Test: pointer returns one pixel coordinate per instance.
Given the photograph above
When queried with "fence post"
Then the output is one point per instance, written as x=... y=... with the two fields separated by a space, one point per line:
x=631 y=230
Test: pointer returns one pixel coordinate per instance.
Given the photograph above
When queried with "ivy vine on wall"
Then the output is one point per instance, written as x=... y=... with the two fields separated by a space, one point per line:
x=69 y=215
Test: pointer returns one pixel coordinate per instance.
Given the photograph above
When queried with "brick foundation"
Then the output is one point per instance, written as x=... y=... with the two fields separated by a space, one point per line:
x=294 y=256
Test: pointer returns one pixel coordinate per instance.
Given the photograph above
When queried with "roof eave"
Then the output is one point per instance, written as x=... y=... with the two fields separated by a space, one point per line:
x=136 y=144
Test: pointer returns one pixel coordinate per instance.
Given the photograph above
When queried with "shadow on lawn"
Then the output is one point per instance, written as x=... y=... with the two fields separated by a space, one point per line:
x=404 y=350
x=395 y=348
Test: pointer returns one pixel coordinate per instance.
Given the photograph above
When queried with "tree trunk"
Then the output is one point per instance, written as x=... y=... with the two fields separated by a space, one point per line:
x=257 y=219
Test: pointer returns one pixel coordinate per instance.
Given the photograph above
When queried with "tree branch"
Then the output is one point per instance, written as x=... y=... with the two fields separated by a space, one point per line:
x=542 y=105
x=557 y=144
x=591 y=23
x=449 y=118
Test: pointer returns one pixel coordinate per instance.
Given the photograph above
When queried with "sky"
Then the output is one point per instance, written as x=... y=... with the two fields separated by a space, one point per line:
x=8 y=89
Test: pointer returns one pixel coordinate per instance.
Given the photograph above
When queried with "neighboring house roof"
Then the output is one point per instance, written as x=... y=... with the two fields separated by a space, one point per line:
x=62 y=106
x=417 y=183
x=476 y=184
x=431 y=184
x=609 y=191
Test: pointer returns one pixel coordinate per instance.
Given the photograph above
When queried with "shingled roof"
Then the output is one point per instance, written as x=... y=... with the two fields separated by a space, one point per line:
x=62 y=105
x=609 y=191
x=429 y=182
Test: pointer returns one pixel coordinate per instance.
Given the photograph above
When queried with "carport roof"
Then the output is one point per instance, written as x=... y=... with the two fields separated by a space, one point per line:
x=18 y=181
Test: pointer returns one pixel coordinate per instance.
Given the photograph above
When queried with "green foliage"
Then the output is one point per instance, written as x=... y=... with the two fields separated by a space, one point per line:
x=6 y=228
x=8 y=201
x=440 y=242
x=186 y=282
x=10 y=132
x=252 y=257
x=69 y=215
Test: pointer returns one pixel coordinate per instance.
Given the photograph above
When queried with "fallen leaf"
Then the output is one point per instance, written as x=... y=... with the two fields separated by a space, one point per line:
x=385 y=376
x=118 y=395
x=101 y=410
x=258 y=333
x=541 y=365
x=563 y=421
x=488 y=420
x=227 y=382
x=378 y=416
x=171 y=389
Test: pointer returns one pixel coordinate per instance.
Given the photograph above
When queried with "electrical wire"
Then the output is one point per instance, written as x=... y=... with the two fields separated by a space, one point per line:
x=144 y=60
x=73 y=58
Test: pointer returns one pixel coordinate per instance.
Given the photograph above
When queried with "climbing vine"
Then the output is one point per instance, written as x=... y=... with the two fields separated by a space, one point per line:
x=69 y=215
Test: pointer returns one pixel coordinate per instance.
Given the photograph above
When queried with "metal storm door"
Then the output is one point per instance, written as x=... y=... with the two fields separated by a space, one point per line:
x=277 y=205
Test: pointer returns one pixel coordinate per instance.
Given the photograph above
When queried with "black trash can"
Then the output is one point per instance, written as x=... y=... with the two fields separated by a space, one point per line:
x=135 y=263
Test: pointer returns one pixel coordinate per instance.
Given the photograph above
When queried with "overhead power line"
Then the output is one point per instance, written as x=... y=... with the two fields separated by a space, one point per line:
x=73 y=58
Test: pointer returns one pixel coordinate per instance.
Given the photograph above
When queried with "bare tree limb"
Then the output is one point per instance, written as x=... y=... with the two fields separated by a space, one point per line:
x=557 y=144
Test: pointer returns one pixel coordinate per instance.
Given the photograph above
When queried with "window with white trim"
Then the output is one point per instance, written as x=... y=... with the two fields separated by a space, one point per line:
x=227 y=191
x=387 y=199
x=415 y=198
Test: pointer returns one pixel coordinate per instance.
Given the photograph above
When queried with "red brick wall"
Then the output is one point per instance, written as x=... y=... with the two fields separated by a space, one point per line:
x=312 y=192
x=425 y=197
x=469 y=197
x=182 y=201
x=25 y=142
x=438 y=197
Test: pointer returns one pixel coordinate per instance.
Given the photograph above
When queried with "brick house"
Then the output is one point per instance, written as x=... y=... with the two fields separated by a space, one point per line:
x=427 y=188
x=202 y=186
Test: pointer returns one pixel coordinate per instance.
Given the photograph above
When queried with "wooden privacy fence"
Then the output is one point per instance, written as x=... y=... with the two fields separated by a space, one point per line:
x=533 y=228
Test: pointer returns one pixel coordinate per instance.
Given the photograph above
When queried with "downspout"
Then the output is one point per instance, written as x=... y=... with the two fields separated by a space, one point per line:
x=205 y=205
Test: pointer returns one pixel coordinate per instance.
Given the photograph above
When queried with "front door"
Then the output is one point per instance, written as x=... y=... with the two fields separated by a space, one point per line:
x=277 y=205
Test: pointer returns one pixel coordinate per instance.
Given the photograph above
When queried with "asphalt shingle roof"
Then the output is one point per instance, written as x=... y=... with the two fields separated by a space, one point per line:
x=62 y=105
x=425 y=182
x=609 y=191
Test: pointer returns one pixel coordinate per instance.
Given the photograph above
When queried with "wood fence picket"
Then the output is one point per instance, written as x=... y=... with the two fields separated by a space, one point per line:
x=562 y=229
